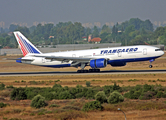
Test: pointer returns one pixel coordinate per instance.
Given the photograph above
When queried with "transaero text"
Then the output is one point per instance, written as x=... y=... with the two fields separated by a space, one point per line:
x=119 y=50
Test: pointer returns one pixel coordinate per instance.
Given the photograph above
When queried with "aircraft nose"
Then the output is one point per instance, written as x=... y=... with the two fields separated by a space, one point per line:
x=162 y=53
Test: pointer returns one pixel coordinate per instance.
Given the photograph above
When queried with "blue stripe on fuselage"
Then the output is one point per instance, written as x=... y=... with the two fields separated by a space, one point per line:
x=133 y=59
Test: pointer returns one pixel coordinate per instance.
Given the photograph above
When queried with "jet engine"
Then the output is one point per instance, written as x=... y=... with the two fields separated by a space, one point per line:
x=98 y=63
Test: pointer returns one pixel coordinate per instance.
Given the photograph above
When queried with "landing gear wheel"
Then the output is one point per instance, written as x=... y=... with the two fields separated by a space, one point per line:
x=78 y=71
x=150 y=66
x=82 y=71
x=94 y=70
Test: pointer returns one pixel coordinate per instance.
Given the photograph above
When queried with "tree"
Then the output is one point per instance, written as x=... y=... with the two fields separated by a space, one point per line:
x=159 y=32
x=148 y=25
x=137 y=41
x=88 y=32
x=13 y=27
x=24 y=30
x=114 y=30
x=7 y=41
x=95 y=32
x=105 y=34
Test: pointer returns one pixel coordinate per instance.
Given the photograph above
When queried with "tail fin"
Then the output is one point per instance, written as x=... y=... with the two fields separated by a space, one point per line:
x=25 y=45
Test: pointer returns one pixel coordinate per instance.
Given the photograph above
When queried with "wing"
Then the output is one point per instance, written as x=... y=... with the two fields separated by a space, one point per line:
x=75 y=61
x=62 y=58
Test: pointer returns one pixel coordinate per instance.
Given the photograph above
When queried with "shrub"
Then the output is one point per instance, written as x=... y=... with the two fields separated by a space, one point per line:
x=133 y=94
x=88 y=83
x=18 y=94
x=159 y=94
x=115 y=97
x=65 y=95
x=17 y=110
x=164 y=95
x=38 y=101
x=90 y=93
x=31 y=95
x=56 y=85
x=110 y=88
x=10 y=86
x=147 y=88
x=2 y=86
x=71 y=108
x=40 y=113
x=32 y=114
x=101 y=97
x=79 y=86
x=93 y=105
x=71 y=115
x=116 y=87
x=5 y=93
x=51 y=96
x=54 y=105
x=74 y=91
x=137 y=87
x=2 y=105
x=147 y=95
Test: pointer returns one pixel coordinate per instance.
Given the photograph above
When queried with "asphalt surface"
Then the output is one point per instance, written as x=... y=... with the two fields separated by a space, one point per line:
x=75 y=72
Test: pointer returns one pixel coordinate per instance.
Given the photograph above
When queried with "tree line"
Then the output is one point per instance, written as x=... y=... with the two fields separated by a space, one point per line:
x=131 y=32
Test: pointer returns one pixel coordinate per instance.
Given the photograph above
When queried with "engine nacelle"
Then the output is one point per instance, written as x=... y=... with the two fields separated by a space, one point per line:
x=117 y=64
x=98 y=63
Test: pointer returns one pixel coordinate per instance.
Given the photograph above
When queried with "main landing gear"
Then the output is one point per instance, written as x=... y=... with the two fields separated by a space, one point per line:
x=87 y=71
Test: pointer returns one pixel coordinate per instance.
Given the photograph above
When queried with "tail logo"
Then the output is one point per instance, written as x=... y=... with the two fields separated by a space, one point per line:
x=26 y=47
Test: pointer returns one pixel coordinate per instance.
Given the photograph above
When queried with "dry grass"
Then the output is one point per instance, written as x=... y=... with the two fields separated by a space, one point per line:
x=73 y=80
x=134 y=109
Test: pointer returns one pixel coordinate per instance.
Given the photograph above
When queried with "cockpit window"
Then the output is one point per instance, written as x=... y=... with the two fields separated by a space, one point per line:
x=158 y=50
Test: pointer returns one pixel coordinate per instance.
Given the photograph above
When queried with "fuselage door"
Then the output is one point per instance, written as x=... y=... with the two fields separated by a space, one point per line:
x=144 y=51
x=119 y=54
x=43 y=60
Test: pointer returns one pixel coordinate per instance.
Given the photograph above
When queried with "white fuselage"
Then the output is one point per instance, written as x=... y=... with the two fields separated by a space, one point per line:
x=114 y=54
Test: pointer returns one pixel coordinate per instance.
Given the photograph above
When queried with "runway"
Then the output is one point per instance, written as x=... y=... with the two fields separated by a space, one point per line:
x=75 y=73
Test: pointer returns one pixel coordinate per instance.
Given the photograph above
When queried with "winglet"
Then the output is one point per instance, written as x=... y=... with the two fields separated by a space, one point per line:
x=25 y=45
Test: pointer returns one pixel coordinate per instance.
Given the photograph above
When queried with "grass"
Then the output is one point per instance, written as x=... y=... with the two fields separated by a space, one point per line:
x=73 y=80
x=65 y=111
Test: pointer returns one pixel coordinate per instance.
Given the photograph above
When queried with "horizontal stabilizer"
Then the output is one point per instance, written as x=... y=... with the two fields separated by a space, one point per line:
x=19 y=60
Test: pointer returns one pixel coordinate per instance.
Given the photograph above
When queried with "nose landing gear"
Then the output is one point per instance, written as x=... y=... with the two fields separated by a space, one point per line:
x=150 y=66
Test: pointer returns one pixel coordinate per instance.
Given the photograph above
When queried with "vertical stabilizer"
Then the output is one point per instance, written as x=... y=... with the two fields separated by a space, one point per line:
x=25 y=45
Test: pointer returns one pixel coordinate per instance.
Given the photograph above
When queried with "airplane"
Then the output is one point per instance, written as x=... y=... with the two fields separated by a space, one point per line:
x=95 y=58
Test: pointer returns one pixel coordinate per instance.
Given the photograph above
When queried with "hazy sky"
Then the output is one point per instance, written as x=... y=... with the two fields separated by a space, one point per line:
x=84 y=11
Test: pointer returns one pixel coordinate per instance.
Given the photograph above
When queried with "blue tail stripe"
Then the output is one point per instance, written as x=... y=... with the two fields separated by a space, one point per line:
x=27 y=46
x=30 y=48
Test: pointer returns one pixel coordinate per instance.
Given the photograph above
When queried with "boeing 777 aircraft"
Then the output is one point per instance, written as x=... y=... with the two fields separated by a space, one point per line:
x=95 y=58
